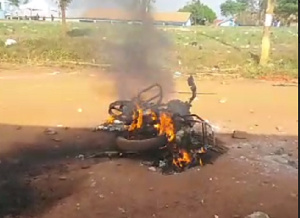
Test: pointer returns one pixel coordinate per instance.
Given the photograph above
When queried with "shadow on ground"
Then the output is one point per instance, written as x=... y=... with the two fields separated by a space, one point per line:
x=32 y=164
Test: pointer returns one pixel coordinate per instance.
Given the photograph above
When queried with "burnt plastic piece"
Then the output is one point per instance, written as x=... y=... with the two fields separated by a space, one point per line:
x=178 y=107
x=122 y=110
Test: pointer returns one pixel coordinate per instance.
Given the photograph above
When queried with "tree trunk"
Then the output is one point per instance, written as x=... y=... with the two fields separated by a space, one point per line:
x=63 y=19
x=262 y=11
x=266 y=42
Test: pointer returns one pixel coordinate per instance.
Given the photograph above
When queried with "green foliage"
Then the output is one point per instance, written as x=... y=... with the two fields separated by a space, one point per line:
x=17 y=3
x=63 y=3
x=285 y=8
x=200 y=12
x=231 y=8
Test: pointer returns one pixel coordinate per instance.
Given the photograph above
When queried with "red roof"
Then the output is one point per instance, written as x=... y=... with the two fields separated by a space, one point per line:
x=217 y=21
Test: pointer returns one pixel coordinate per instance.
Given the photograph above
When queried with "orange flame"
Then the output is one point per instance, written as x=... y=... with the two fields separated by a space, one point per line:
x=166 y=126
x=110 y=120
x=183 y=159
x=153 y=116
x=137 y=119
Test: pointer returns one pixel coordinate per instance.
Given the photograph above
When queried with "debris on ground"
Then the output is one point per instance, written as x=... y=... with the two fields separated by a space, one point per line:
x=122 y=210
x=177 y=74
x=285 y=85
x=56 y=139
x=258 y=214
x=279 y=128
x=10 y=42
x=85 y=166
x=279 y=151
x=283 y=159
x=55 y=73
x=239 y=134
x=223 y=101
x=153 y=169
x=194 y=43
x=62 y=178
x=80 y=156
x=50 y=131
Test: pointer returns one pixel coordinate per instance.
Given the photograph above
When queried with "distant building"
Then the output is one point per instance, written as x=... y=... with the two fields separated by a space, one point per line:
x=225 y=23
x=4 y=7
x=216 y=22
x=2 y=16
x=38 y=7
x=116 y=15
x=32 y=8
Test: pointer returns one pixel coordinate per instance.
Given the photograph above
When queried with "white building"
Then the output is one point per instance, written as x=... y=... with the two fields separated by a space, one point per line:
x=3 y=4
x=38 y=7
x=43 y=8
x=5 y=7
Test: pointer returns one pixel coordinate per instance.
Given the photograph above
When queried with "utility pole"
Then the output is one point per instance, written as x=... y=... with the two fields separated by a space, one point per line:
x=266 y=42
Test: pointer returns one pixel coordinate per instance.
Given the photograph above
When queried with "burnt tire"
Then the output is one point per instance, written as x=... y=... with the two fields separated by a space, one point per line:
x=124 y=144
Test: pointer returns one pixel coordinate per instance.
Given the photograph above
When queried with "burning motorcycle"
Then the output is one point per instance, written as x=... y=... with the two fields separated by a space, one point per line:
x=168 y=131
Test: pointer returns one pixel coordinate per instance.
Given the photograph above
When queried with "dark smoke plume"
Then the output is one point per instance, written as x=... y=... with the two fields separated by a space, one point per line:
x=137 y=54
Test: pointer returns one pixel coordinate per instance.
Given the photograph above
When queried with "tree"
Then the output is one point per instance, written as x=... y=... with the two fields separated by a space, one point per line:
x=231 y=8
x=262 y=5
x=266 y=42
x=286 y=8
x=247 y=12
x=200 y=12
x=17 y=3
x=63 y=4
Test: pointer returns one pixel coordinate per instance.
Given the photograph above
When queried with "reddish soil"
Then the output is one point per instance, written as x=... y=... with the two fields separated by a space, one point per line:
x=49 y=175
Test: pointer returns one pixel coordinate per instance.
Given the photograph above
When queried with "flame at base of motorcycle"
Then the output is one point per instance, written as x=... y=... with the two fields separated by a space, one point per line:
x=176 y=138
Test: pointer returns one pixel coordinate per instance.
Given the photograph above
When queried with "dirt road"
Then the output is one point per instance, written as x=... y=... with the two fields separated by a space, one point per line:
x=46 y=176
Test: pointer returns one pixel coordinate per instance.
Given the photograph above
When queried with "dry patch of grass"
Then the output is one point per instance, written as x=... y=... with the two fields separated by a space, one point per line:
x=195 y=50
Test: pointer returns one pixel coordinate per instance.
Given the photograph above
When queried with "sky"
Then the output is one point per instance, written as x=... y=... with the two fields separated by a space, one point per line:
x=78 y=6
x=174 y=5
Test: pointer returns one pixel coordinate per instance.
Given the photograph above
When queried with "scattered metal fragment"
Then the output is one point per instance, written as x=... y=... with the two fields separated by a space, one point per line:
x=50 y=131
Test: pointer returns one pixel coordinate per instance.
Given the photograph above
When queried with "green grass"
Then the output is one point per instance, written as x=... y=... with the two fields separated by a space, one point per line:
x=198 y=49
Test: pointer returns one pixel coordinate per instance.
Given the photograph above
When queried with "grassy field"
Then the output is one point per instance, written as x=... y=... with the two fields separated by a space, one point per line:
x=194 y=50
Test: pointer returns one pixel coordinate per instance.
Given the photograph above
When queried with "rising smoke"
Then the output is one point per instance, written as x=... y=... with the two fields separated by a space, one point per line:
x=137 y=53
